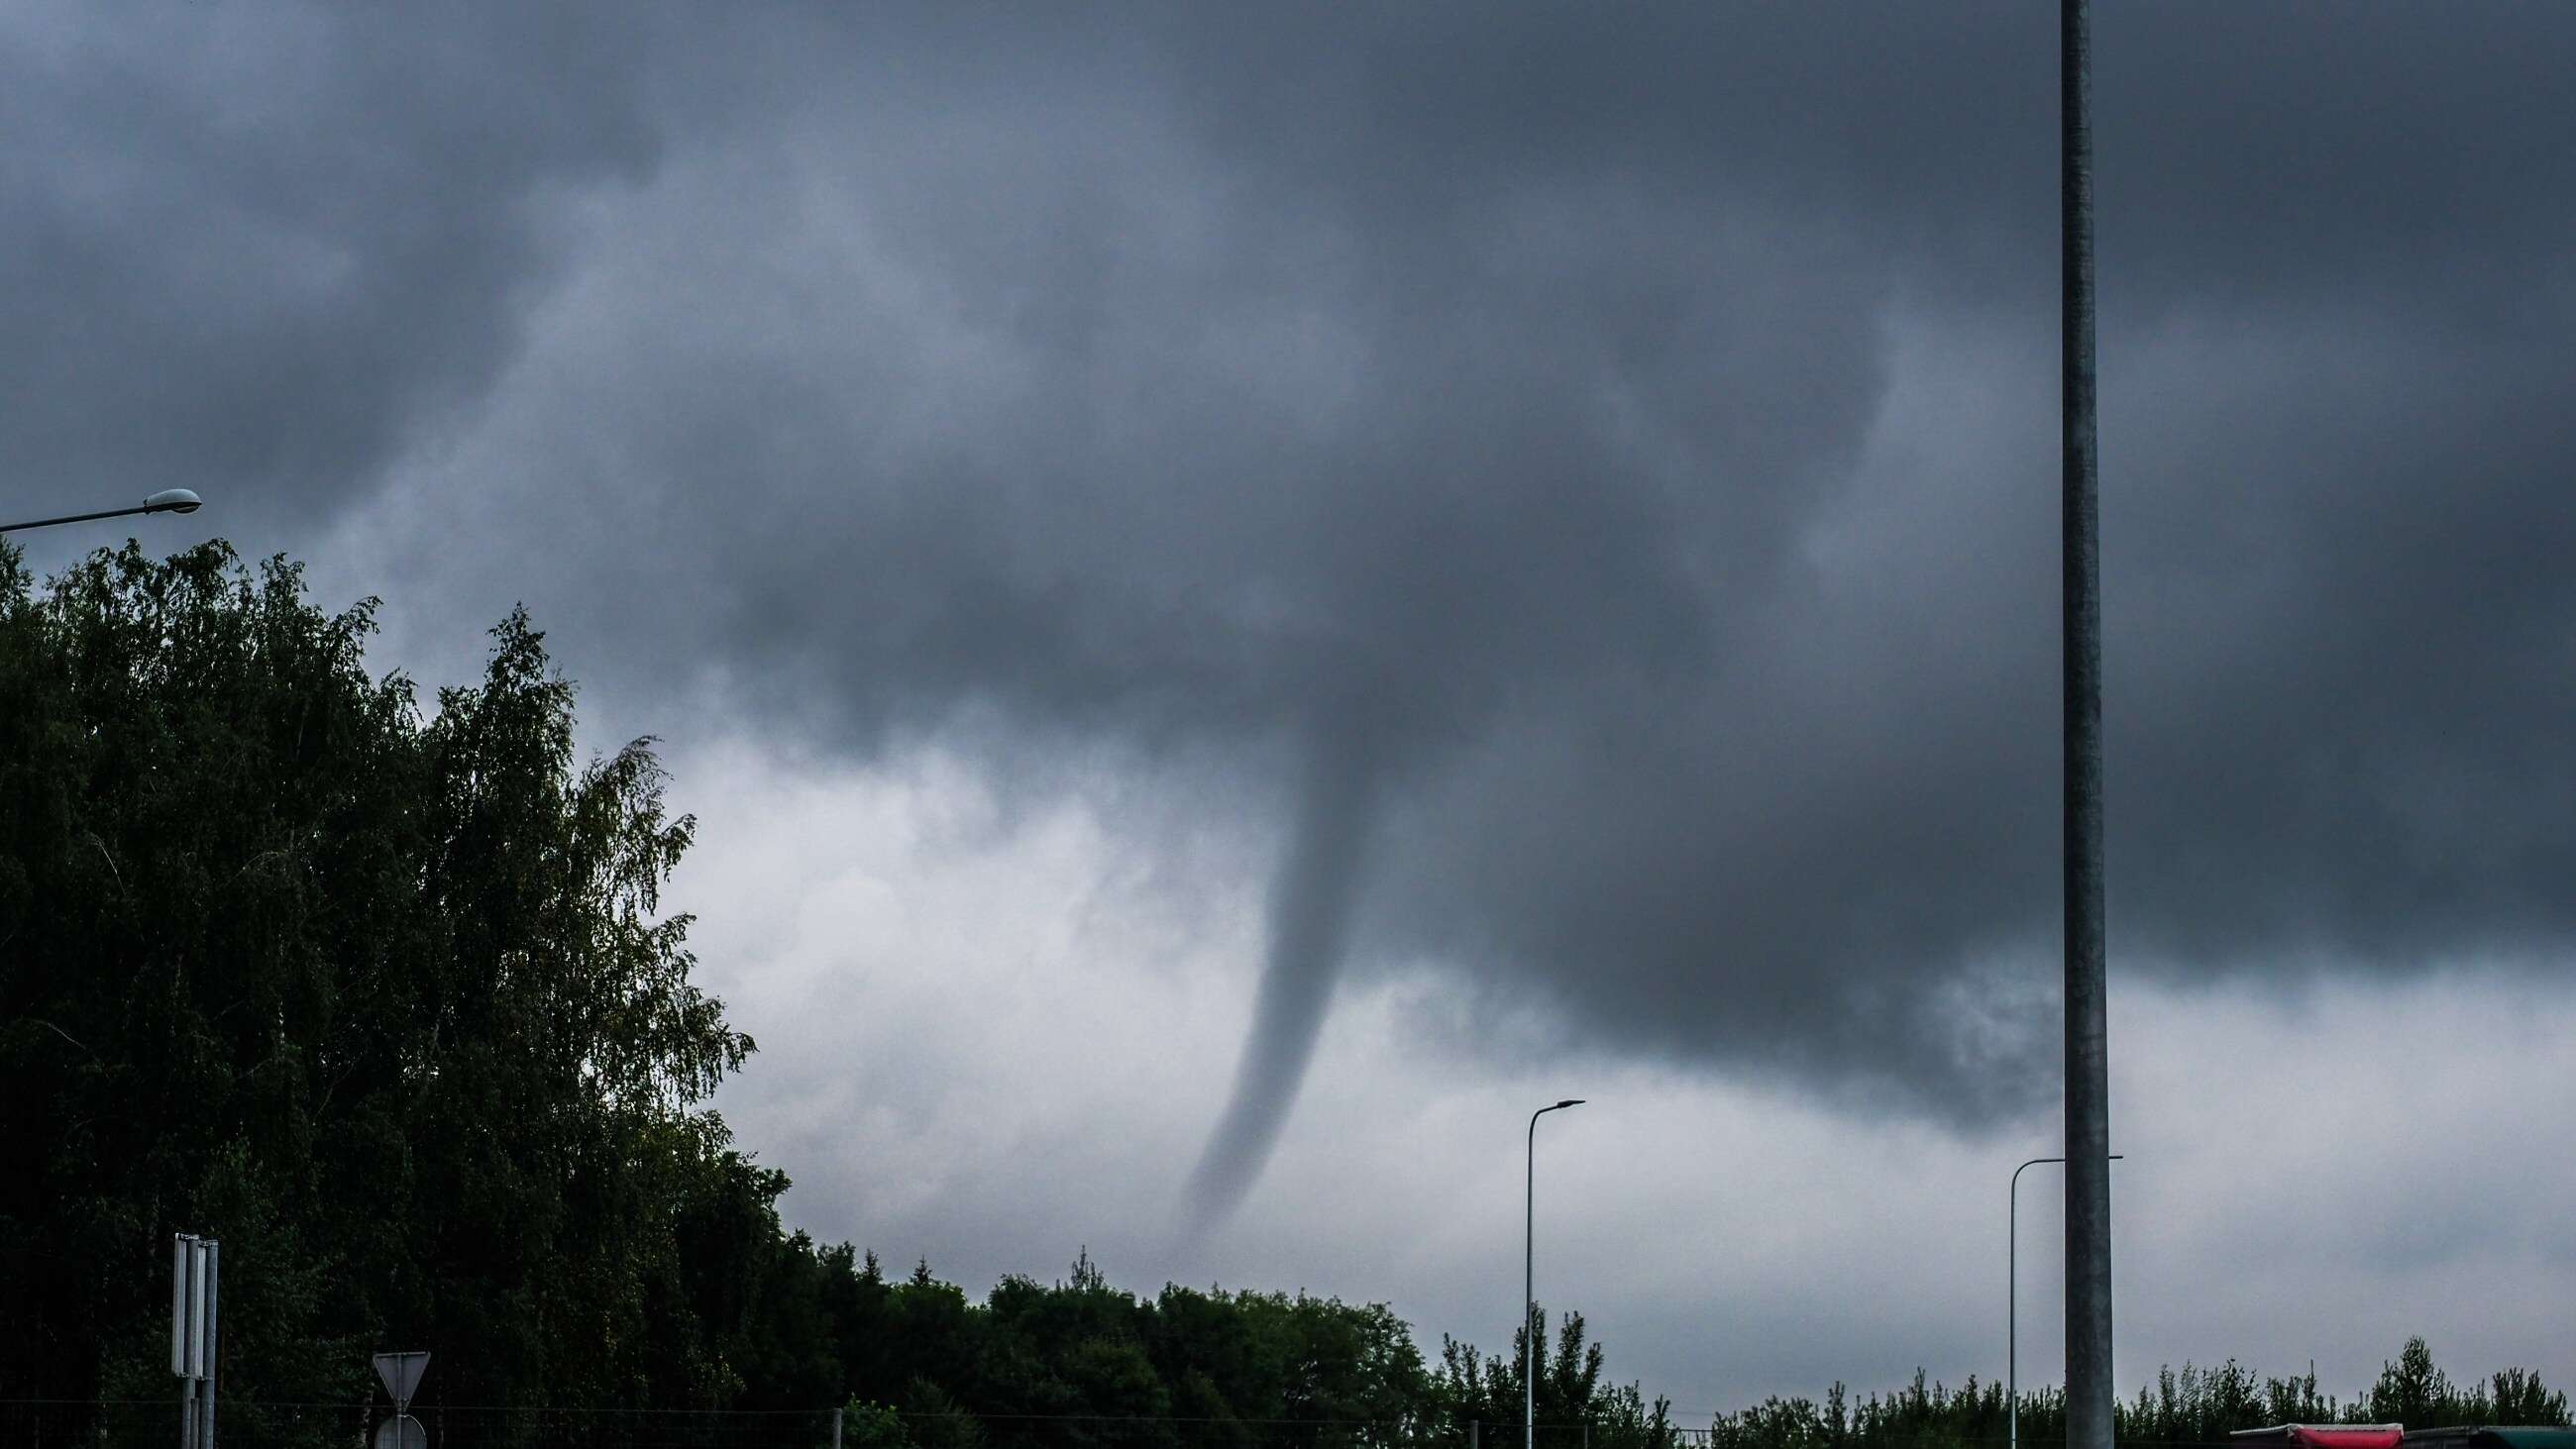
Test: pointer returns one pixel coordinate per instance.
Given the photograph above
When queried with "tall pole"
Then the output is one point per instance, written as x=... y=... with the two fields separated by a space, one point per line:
x=2088 y=1083
x=1529 y=1300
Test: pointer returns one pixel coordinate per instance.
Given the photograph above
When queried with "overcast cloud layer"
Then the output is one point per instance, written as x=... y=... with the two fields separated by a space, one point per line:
x=2311 y=1173
x=1579 y=483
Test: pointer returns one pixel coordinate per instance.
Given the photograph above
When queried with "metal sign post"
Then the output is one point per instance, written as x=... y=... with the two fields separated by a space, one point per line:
x=195 y=1268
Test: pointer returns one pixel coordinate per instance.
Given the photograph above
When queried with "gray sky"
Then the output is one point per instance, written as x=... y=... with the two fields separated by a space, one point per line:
x=1530 y=529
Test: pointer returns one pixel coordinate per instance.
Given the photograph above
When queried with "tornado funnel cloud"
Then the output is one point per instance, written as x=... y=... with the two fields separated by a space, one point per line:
x=1310 y=909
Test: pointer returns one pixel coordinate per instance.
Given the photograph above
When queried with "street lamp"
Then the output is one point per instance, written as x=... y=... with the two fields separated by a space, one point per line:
x=2012 y=1299
x=1529 y=1303
x=168 y=500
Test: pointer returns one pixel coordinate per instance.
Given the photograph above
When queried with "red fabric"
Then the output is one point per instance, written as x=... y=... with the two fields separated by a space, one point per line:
x=2346 y=1438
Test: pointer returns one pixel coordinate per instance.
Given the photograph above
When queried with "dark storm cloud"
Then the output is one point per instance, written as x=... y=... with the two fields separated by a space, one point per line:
x=1619 y=443
x=246 y=248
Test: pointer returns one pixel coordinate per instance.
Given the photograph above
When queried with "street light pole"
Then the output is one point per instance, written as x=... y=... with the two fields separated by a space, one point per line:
x=1529 y=1301
x=2012 y=1300
x=168 y=500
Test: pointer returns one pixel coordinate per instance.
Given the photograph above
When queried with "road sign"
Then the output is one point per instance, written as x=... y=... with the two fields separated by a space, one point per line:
x=402 y=1431
x=401 y=1373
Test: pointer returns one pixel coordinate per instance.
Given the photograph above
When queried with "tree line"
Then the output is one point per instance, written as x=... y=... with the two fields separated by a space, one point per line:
x=383 y=997
x=2191 y=1405
x=1080 y=1363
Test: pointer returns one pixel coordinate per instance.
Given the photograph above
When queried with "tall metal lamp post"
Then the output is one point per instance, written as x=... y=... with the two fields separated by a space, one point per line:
x=168 y=500
x=1529 y=1300
x=2012 y=1300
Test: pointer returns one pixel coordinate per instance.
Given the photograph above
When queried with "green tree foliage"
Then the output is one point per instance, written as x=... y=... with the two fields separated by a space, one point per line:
x=2410 y=1390
x=1082 y=1363
x=382 y=1001
x=866 y=1425
x=1572 y=1399
x=2517 y=1396
x=2189 y=1406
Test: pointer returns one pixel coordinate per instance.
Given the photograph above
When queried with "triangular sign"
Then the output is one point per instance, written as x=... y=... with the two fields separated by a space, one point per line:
x=401 y=1373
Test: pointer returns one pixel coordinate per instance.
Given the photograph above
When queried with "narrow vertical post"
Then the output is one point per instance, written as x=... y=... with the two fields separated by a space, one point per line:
x=2012 y=1311
x=1529 y=1332
x=2089 y=1391
x=179 y=1302
x=1529 y=1302
x=214 y=1336
x=179 y=1306
x=192 y=1265
x=836 y=1429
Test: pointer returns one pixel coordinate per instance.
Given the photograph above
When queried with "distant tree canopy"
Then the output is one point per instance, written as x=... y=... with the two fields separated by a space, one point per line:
x=1081 y=1365
x=2190 y=1406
